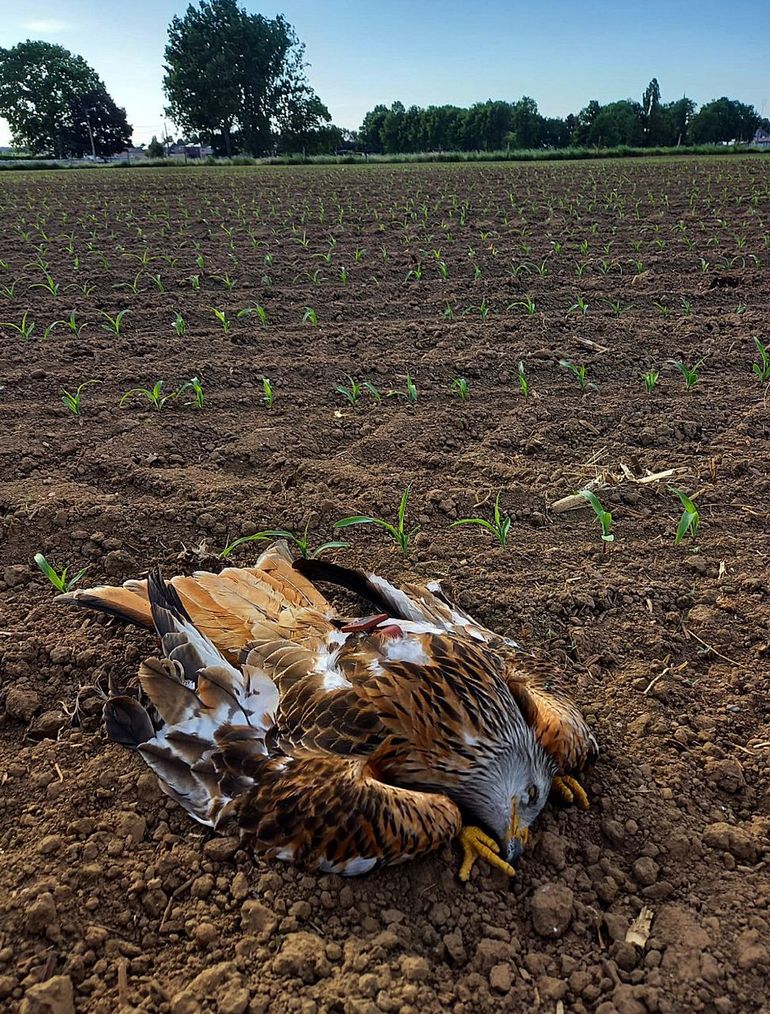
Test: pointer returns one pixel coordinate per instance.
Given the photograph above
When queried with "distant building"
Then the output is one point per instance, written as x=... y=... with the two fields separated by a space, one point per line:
x=761 y=139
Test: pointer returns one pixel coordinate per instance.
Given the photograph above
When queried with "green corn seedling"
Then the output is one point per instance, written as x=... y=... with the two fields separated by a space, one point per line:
x=689 y=522
x=650 y=378
x=223 y=319
x=254 y=311
x=25 y=328
x=268 y=395
x=690 y=373
x=195 y=386
x=58 y=579
x=499 y=526
x=523 y=381
x=153 y=394
x=113 y=324
x=179 y=324
x=351 y=391
x=762 y=368
x=73 y=400
x=460 y=384
x=310 y=316
x=580 y=373
x=603 y=517
x=398 y=531
x=301 y=541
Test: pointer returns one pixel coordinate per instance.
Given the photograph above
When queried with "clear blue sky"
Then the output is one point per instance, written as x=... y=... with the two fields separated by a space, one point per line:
x=561 y=52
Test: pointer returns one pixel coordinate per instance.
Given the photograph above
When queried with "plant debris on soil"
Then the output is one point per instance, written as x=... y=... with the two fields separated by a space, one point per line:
x=654 y=900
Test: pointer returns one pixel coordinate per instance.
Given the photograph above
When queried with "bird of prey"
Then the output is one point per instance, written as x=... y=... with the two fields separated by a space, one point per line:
x=342 y=743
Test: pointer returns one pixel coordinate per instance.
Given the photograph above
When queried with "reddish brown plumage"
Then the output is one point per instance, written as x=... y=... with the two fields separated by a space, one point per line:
x=340 y=744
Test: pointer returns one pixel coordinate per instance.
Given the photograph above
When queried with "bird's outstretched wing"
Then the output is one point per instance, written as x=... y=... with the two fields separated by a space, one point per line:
x=225 y=607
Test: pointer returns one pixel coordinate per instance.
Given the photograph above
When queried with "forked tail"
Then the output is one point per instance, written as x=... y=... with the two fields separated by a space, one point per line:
x=196 y=711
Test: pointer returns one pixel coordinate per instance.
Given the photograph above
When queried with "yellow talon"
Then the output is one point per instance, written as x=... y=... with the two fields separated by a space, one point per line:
x=475 y=844
x=569 y=790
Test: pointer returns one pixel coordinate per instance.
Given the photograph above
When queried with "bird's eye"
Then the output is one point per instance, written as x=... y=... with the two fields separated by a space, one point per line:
x=532 y=795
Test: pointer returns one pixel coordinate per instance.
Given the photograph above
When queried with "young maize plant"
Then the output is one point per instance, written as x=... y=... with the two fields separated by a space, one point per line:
x=59 y=580
x=300 y=541
x=73 y=400
x=351 y=391
x=268 y=395
x=650 y=378
x=580 y=373
x=398 y=532
x=762 y=368
x=179 y=325
x=254 y=311
x=689 y=522
x=460 y=384
x=690 y=373
x=499 y=526
x=603 y=517
x=310 y=316
x=196 y=387
x=24 y=329
x=523 y=381
x=223 y=319
x=113 y=324
x=153 y=394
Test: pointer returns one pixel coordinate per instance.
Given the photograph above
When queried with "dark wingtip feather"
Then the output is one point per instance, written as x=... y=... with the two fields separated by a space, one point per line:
x=127 y=722
x=345 y=577
x=164 y=598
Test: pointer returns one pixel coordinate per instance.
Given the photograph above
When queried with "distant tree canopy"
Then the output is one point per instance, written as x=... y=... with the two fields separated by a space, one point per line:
x=238 y=81
x=51 y=97
x=496 y=125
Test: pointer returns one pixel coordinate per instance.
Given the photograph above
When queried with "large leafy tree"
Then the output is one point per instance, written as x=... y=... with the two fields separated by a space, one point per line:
x=724 y=120
x=98 y=125
x=237 y=78
x=44 y=90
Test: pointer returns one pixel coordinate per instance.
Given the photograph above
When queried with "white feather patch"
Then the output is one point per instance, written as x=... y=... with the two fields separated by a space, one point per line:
x=406 y=649
x=334 y=680
x=349 y=868
x=395 y=597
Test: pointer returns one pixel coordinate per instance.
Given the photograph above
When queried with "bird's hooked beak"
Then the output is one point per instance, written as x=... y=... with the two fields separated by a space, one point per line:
x=516 y=839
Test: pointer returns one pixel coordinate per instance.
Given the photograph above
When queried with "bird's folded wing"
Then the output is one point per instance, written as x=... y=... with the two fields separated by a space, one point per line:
x=332 y=813
x=555 y=718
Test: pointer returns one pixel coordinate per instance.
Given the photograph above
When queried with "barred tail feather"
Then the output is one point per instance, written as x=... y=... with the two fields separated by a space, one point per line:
x=199 y=702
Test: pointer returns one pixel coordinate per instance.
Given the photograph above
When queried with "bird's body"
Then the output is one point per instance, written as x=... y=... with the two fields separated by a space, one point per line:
x=339 y=744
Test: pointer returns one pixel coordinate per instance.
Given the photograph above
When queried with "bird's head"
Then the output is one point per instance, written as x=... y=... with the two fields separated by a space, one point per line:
x=512 y=791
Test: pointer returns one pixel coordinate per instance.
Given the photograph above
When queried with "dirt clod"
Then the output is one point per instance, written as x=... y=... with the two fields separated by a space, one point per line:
x=552 y=907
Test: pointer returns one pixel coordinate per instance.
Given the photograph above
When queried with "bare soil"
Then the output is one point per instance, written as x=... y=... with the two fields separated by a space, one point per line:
x=110 y=894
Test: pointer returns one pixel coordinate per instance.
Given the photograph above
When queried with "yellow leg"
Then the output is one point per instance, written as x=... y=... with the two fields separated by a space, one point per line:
x=475 y=844
x=569 y=790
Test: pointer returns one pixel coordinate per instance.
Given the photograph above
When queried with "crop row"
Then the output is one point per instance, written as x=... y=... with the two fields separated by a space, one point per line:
x=159 y=397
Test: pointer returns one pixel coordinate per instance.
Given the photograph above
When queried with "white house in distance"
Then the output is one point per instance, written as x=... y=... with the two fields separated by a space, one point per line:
x=761 y=139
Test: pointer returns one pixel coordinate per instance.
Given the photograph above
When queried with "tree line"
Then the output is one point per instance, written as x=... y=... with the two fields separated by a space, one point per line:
x=238 y=82
x=497 y=125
